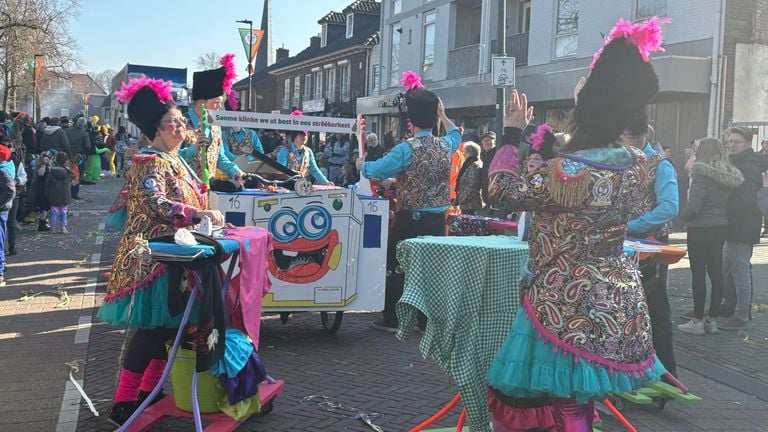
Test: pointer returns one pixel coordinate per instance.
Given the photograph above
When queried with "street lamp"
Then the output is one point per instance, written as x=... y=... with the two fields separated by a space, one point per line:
x=250 y=56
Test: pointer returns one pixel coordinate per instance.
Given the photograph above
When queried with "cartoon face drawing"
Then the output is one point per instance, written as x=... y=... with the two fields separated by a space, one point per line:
x=306 y=246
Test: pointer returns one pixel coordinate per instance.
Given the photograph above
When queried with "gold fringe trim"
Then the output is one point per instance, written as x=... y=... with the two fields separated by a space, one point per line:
x=569 y=191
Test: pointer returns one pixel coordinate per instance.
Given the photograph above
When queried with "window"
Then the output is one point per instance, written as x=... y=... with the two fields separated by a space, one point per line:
x=394 y=62
x=243 y=100
x=525 y=17
x=566 y=28
x=307 y=87
x=287 y=94
x=297 y=91
x=331 y=86
x=649 y=8
x=350 y=25
x=397 y=6
x=344 y=75
x=318 y=84
x=64 y=112
x=375 y=78
x=323 y=34
x=429 y=43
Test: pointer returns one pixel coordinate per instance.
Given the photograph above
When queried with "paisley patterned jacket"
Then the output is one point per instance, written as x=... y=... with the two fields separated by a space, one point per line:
x=424 y=183
x=583 y=293
x=161 y=195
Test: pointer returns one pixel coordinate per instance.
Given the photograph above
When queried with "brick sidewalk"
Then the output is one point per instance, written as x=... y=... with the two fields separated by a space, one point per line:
x=358 y=367
x=737 y=359
x=38 y=336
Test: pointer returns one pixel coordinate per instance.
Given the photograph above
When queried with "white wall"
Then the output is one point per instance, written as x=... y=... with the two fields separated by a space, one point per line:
x=750 y=95
x=691 y=20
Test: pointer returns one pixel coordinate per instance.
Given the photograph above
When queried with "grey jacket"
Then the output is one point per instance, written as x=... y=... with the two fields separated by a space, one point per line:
x=708 y=195
x=79 y=141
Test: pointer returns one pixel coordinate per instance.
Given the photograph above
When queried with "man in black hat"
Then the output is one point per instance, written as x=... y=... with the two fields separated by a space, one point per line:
x=422 y=168
x=208 y=90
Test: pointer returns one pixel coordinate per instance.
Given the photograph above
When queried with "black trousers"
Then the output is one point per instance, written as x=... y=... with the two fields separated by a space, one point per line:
x=145 y=345
x=705 y=251
x=408 y=224
x=654 y=277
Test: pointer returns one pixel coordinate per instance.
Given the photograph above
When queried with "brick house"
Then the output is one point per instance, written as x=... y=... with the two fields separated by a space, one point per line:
x=327 y=77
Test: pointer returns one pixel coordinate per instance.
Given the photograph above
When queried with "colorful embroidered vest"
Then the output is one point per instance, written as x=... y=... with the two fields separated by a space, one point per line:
x=211 y=157
x=650 y=197
x=299 y=163
x=243 y=148
x=425 y=182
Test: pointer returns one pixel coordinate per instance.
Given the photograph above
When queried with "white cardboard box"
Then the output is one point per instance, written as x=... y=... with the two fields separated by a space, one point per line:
x=330 y=247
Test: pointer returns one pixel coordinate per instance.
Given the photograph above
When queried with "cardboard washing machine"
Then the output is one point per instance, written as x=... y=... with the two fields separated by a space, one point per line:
x=329 y=246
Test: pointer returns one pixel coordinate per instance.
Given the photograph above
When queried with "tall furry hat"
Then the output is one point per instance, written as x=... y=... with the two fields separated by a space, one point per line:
x=212 y=83
x=421 y=103
x=148 y=100
x=621 y=81
x=543 y=141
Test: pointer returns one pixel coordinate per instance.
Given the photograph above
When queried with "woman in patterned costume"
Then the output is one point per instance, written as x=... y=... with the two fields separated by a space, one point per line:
x=162 y=194
x=583 y=330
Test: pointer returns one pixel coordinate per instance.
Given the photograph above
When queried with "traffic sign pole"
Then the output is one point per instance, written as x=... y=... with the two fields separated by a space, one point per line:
x=501 y=45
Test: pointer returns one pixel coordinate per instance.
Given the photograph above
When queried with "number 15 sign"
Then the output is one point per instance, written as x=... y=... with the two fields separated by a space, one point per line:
x=503 y=72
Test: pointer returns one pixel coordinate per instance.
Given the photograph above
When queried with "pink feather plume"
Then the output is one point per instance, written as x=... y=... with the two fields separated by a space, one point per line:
x=411 y=80
x=128 y=90
x=228 y=61
x=297 y=113
x=537 y=139
x=646 y=36
x=233 y=100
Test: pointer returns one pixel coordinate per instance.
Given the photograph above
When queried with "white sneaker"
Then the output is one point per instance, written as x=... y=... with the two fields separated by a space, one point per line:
x=694 y=327
x=710 y=325
x=54 y=229
x=63 y=230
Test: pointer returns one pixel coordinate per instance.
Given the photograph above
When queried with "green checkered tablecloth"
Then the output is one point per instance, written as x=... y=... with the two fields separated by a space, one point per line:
x=468 y=287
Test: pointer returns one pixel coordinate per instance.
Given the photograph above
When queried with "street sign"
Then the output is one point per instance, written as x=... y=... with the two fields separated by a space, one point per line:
x=503 y=72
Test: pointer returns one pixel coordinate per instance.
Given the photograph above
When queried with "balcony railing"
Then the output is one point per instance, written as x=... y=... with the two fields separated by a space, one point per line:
x=464 y=61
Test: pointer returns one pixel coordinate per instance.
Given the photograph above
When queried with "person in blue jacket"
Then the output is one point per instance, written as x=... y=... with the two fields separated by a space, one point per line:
x=239 y=141
x=209 y=88
x=663 y=201
x=300 y=158
x=422 y=167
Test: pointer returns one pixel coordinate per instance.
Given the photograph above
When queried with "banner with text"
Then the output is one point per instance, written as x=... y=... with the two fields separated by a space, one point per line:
x=283 y=122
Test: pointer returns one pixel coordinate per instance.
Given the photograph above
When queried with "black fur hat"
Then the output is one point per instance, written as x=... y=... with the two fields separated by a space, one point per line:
x=208 y=84
x=422 y=108
x=618 y=88
x=620 y=84
x=147 y=100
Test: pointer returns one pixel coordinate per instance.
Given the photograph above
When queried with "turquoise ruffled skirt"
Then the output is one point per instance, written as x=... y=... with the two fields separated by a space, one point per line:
x=529 y=366
x=150 y=308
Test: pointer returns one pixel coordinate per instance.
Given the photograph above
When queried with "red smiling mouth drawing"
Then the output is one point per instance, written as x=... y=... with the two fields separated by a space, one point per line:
x=303 y=261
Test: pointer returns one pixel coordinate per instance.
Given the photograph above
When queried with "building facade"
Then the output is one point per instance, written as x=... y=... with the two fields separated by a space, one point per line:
x=329 y=76
x=62 y=94
x=451 y=42
x=118 y=115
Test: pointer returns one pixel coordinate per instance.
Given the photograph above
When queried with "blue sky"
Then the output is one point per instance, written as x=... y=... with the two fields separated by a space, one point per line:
x=174 y=33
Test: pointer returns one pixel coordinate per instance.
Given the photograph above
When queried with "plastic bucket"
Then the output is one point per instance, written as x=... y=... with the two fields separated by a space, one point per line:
x=181 y=378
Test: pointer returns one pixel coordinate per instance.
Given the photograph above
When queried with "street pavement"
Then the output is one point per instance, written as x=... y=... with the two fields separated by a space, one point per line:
x=360 y=369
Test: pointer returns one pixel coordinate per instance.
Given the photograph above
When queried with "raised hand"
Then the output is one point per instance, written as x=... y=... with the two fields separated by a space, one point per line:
x=517 y=113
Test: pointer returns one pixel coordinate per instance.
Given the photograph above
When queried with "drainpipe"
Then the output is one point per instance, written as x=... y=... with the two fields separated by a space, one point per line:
x=713 y=121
